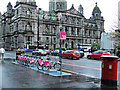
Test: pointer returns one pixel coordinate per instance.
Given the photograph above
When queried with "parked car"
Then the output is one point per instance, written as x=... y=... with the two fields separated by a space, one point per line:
x=56 y=52
x=48 y=52
x=24 y=50
x=97 y=54
x=81 y=54
x=39 y=52
x=71 y=54
x=20 y=50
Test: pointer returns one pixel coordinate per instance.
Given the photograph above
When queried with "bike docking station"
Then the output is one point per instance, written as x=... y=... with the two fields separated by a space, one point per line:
x=109 y=73
x=51 y=72
x=44 y=65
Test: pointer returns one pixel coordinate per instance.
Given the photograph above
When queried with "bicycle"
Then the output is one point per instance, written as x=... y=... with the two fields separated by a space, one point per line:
x=47 y=63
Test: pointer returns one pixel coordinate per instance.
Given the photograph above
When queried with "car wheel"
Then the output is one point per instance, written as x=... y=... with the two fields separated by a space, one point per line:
x=89 y=57
x=70 y=57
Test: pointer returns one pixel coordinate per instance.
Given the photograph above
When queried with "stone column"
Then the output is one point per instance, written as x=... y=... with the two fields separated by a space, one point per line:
x=75 y=31
x=69 y=30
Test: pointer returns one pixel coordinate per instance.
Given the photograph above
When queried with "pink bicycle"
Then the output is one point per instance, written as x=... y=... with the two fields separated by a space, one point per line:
x=40 y=63
x=46 y=64
x=26 y=60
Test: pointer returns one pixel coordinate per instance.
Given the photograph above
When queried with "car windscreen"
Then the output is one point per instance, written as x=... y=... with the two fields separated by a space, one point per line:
x=75 y=52
x=96 y=52
x=107 y=52
x=65 y=51
x=69 y=52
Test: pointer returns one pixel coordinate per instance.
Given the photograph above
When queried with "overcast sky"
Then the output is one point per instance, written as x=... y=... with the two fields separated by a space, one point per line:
x=109 y=8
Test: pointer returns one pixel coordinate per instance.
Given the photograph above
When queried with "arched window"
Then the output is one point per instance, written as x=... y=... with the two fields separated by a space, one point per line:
x=86 y=41
x=90 y=42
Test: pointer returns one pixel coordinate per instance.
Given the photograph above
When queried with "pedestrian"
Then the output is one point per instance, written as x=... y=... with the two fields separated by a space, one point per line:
x=114 y=51
x=2 y=51
x=118 y=53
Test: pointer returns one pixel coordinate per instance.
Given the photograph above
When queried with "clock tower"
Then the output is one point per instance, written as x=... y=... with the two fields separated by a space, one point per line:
x=57 y=5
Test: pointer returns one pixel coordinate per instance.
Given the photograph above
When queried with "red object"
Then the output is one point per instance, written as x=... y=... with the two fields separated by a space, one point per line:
x=97 y=54
x=63 y=35
x=109 y=67
x=71 y=54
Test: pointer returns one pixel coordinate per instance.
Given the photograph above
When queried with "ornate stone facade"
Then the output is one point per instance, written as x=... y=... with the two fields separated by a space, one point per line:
x=21 y=25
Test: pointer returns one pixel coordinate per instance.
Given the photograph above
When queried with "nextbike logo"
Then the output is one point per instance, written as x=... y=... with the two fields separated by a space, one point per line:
x=63 y=35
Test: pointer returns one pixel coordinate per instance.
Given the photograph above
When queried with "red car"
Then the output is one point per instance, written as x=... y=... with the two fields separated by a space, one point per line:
x=71 y=54
x=97 y=54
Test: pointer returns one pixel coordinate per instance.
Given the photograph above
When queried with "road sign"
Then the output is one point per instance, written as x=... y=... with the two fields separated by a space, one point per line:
x=63 y=35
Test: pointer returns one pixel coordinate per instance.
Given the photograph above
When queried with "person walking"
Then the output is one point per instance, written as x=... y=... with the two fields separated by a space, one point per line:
x=2 y=51
x=118 y=53
x=114 y=51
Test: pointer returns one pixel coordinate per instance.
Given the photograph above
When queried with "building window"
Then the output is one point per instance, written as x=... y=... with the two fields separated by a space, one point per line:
x=72 y=31
x=78 y=31
x=97 y=14
x=89 y=33
x=17 y=12
x=86 y=41
x=90 y=42
x=54 y=39
x=47 y=38
x=17 y=26
x=85 y=32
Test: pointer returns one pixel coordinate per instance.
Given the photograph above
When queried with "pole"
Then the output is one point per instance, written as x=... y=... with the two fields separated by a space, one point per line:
x=51 y=37
x=82 y=39
x=60 y=57
x=38 y=32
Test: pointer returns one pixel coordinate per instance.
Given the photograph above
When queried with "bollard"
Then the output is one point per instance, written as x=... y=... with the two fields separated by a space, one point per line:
x=109 y=70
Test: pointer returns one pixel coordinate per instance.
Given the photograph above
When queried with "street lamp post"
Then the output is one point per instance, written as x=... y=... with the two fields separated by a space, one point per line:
x=3 y=32
x=38 y=27
x=51 y=38
x=82 y=39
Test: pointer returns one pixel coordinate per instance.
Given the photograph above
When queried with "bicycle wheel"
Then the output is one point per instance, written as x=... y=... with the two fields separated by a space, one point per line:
x=32 y=64
x=57 y=66
x=38 y=66
x=45 y=68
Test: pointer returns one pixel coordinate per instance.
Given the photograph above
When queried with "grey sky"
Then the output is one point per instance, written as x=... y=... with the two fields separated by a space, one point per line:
x=109 y=8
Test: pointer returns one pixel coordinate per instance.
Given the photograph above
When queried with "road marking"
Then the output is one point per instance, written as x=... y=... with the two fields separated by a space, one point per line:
x=79 y=73
x=82 y=66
